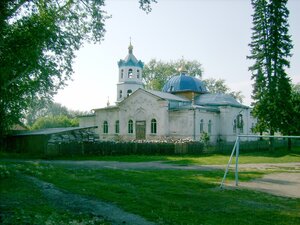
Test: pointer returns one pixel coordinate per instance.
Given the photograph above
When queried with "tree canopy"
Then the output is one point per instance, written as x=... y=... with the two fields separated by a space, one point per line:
x=270 y=49
x=38 y=40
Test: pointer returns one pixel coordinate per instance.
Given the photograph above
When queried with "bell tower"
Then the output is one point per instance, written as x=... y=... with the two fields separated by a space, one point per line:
x=130 y=75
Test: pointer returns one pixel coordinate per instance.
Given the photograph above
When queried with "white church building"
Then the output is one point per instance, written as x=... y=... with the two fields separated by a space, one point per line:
x=184 y=109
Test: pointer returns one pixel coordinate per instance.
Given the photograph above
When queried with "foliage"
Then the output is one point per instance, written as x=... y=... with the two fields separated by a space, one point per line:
x=54 y=121
x=156 y=73
x=38 y=40
x=270 y=49
x=295 y=113
x=51 y=109
x=219 y=86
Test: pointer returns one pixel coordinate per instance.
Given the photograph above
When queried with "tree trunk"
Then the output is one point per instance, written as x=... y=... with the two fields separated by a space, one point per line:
x=271 y=140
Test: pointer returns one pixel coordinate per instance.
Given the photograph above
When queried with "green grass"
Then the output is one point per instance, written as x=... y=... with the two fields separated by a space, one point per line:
x=21 y=202
x=166 y=196
x=277 y=156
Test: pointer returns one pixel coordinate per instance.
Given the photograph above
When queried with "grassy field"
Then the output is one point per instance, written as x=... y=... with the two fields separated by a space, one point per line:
x=161 y=196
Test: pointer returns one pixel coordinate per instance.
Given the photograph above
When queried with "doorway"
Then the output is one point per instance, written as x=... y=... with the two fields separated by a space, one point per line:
x=140 y=130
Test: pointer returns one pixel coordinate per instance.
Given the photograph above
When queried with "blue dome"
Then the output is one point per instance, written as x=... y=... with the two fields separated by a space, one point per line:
x=182 y=83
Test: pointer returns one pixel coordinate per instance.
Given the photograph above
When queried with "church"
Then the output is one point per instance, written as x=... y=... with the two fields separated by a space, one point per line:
x=183 y=109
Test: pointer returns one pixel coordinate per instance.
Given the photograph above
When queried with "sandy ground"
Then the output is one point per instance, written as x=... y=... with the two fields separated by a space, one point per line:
x=281 y=184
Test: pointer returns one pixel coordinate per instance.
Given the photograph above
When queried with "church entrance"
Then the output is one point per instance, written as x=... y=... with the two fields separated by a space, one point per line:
x=140 y=130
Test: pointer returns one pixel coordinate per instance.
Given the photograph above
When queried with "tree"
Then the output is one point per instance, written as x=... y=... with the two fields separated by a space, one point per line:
x=157 y=73
x=54 y=122
x=219 y=86
x=270 y=49
x=38 y=40
x=48 y=110
x=295 y=113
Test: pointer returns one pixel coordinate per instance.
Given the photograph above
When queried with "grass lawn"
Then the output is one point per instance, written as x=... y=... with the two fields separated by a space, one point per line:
x=161 y=196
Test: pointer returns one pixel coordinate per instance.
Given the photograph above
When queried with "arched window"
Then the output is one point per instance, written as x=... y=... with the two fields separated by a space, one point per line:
x=122 y=73
x=121 y=94
x=130 y=126
x=201 y=126
x=209 y=126
x=234 y=126
x=153 y=126
x=117 y=127
x=129 y=92
x=105 y=127
x=138 y=74
x=130 y=74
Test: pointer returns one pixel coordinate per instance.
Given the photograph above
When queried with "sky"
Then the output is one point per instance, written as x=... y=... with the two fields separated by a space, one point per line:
x=214 y=32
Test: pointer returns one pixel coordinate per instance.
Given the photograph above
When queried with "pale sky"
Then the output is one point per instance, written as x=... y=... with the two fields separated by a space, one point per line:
x=214 y=32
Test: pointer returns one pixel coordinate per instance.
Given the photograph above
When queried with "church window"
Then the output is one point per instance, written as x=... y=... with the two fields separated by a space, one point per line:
x=201 y=126
x=153 y=126
x=130 y=73
x=129 y=92
x=234 y=126
x=122 y=73
x=138 y=74
x=209 y=126
x=105 y=127
x=117 y=127
x=121 y=94
x=130 y=126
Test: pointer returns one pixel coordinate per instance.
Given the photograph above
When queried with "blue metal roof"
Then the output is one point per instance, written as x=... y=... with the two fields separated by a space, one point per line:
x=218 y=100
x=183 y=82
x=131 y=60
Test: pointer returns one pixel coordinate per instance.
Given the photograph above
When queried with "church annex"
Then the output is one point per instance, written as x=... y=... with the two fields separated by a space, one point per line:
x=184 y=109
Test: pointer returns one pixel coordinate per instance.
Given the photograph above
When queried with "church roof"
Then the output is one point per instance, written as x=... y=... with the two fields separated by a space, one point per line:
x=218 y=100
x=130 y=59
x=168 y=96
x=183 y=83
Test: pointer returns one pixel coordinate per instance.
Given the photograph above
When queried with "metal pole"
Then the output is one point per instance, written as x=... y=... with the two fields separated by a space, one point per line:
x=237 y=161
x=228 y=164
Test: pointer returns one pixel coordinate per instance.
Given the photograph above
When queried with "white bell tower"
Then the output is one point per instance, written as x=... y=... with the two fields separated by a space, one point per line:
x=130 y=75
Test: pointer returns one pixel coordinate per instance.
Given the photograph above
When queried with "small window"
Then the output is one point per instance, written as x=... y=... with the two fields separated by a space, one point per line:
x=105 y=127
x=201 y=126
x=117 y=127
x=130 y=126
x=209 y=126
x=121 y=94
x=138 y=74
x=130 y=73
x=122 y=73
x=153 y=126
x=129 y=92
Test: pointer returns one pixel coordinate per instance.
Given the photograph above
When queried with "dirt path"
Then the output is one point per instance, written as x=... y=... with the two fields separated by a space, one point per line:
x=281 y=184
x=79 y=203
x=161 y=165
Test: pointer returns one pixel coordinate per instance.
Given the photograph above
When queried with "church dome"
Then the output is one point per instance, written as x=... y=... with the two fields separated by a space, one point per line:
x=184 y=83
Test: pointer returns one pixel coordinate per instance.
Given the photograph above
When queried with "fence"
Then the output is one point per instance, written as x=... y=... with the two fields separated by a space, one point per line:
x=123 y=148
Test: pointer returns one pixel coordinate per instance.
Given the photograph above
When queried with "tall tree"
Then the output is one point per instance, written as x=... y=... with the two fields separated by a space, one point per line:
x=38 y=40
x=270 y=49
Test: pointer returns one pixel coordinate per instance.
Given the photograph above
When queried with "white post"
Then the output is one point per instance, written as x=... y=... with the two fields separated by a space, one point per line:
x=237 y=161
x=229 y=162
